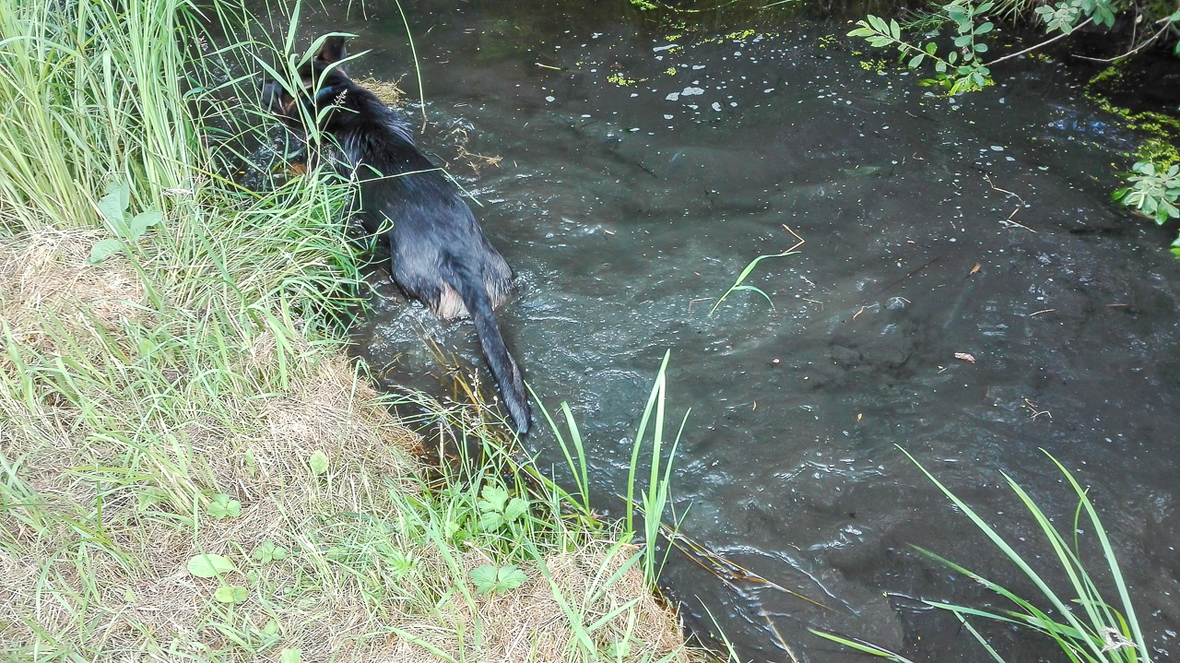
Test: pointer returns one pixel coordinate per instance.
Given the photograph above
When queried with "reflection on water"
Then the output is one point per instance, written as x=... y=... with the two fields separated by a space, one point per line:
x=644 y=164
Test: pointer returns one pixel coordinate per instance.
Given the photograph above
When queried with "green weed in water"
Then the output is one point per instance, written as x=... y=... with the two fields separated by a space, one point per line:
x=1086 y=626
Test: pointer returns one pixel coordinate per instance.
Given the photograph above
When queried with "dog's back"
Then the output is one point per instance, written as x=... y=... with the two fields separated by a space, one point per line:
x=440 y=255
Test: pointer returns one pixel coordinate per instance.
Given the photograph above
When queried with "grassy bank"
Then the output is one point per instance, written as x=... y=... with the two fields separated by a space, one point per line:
x=190 y=467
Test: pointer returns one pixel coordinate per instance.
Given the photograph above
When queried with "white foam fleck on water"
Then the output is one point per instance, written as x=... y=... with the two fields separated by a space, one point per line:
x=551 y=99
x=672 y=96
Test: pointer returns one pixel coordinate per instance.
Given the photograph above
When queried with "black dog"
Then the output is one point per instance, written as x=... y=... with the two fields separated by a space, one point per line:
x=439 y=254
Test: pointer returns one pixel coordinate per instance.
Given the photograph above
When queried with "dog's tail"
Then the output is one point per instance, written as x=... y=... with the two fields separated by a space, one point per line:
x=474 y=294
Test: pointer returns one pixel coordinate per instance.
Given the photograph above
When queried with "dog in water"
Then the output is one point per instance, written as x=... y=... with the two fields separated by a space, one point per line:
x=440 y=255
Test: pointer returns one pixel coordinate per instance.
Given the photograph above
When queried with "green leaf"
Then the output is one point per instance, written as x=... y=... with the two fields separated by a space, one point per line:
x=102 y=249
x=980 y=47
x=491 y=521
x=142 y=222
x=318 y=463
x=962 y=41
x=515 y=509
x=494 y=498
x=208 y=566
x=230 y=594
x=114 y=204
x=291 y=656
x=271 y=628
x=984 y=28
x=484 y=578
x=894 y=29
x=510 y=577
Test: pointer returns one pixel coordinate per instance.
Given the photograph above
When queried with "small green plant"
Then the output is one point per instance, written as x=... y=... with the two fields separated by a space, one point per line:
x=223 y=506
x=1086 y=626
x=268 y=551
x=496 y=510
x=318 y=462
x=113 y=208
x=230 y=594
x=1065 y=16
x=497 y=579
x=962 y=68
x=1153 y=191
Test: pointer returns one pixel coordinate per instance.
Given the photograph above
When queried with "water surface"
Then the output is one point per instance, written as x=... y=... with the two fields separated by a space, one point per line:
x=644 y=165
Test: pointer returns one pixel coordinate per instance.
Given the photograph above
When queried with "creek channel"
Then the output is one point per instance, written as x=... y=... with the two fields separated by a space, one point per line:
x=966 y=292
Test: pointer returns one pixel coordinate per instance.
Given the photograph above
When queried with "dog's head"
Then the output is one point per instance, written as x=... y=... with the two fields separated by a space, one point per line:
x=323 y=90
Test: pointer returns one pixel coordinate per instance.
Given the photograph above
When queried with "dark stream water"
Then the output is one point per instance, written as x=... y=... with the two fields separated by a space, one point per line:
x=643 y=166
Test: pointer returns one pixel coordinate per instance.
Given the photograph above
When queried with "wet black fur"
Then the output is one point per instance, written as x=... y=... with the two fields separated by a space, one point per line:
x=439 y=254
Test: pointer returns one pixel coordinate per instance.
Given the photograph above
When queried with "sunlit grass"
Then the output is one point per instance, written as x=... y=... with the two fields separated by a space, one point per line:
x=190 y=468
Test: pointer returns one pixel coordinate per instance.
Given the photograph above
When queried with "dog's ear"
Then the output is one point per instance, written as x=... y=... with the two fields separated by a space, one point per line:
x=333 y=50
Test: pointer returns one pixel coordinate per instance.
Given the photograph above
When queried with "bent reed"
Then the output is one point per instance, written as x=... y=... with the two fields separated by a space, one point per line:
x=190 y=466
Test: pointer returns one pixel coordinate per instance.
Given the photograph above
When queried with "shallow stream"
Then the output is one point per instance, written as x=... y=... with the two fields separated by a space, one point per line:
x=644 y=165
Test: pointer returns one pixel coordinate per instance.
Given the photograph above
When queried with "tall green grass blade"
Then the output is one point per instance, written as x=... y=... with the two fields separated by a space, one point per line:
x=1111 y=562
x=1004 y=547
x=861 y=646
x=980 y=639
x=657 y=394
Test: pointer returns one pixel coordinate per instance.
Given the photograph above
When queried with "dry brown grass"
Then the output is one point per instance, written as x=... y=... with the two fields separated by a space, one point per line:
x=389 y=92
x=45 y=278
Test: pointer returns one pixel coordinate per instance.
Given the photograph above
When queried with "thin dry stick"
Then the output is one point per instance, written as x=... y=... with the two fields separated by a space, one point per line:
x=1009 y=220
x=1166 y=21
x=1040 y=45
